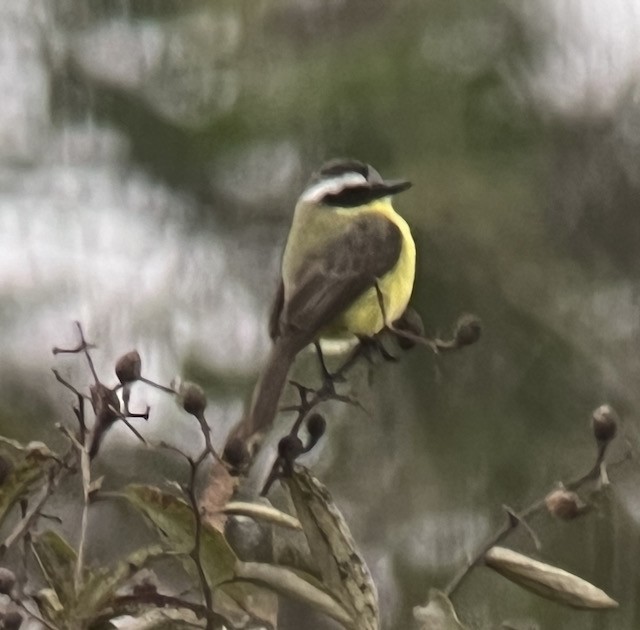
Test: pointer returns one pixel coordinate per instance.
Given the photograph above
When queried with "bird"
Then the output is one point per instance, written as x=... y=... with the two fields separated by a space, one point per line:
x=348 y=268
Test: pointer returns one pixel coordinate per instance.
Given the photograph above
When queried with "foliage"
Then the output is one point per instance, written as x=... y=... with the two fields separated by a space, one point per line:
x=230 y=588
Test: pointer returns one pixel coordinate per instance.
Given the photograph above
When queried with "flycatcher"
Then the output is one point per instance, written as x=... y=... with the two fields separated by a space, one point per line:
x=348 y=269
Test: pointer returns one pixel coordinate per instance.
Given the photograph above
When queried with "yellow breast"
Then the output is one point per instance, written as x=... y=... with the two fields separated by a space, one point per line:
x=364 y=316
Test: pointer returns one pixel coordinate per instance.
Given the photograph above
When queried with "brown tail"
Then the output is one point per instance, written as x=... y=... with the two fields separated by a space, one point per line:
x=268 y=389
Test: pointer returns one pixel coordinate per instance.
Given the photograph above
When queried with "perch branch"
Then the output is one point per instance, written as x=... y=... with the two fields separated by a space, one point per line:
x=519 y=518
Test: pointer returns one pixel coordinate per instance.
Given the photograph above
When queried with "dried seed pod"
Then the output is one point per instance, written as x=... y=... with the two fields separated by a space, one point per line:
x=193 y=399
x=289 y=447
x=468 y=330
x=7 y=580
x=546 y=580
x=564 y=504
x=129 y=367
x=12 y=620
x=316 y=426
x=604 y=422
x=236 y=454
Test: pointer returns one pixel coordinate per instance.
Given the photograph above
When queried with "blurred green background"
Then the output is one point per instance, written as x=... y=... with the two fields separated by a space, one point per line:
x=151 y=154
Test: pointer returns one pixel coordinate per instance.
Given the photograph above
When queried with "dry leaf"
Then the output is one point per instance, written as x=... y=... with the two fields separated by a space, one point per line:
x=220 y=488
x=342 y=569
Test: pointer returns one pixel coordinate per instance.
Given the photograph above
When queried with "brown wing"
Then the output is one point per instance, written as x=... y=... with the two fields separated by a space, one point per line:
x=335 y=276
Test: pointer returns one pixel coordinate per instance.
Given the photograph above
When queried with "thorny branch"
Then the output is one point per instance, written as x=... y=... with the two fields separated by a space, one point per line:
x=79 y=410
x=309 y=399
x=83 y=346
x=197 y=536
x=194 y=402
x=103 y=399
x=195 y=554
x=107 y=408
x=408 y=330
x=598 y=470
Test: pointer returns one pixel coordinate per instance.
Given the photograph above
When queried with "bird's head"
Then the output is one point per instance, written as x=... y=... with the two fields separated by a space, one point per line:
x=348 y=183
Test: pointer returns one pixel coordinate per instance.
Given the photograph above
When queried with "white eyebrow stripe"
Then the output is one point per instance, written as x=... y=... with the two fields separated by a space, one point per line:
x=315 y=193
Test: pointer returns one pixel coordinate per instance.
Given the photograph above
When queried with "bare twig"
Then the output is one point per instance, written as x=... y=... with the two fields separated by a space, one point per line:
x=107 y=409
x=517 y=520
x=79 y=410
x=514 y=519
x=194 y=466
x=129 y=426
x=142 y=379
x=195 y=552
x=68 y=385
x=310 y=398
x=85 y=468
x=190 y=491
x=467 y=332
x=85 y=348
x=81 y=347
x=429 y=343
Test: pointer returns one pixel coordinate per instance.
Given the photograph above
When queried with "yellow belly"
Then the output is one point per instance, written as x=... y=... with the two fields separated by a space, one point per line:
x=364 y=316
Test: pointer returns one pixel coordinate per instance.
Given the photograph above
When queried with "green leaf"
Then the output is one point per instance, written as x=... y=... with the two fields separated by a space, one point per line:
x=161 y=619
x=547 y=580
x=438 y=614
x=50 y=606
x=342 y=569
x=26 y=472
x=240 y=602
x=102 y=583
x=173 y=518
x=34 y=450
x=19 y=446
x=57 y=560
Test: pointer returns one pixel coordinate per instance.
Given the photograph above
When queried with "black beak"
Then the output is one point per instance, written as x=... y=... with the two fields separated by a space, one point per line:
x=354 y=196
x=394 y=186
